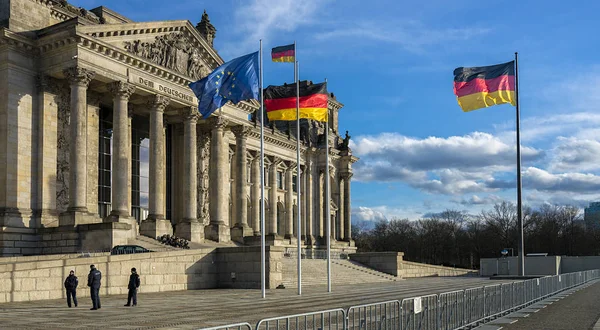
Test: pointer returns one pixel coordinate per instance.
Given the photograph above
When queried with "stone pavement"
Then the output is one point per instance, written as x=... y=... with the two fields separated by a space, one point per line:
x=205 y=308
x=579 y=310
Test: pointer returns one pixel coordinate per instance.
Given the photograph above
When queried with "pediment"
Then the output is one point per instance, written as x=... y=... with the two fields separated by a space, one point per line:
x=175 y=45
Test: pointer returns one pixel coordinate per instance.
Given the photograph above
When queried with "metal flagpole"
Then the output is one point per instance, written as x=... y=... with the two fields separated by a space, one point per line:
x=519 y=185
x=298 y=229
x=262 y=182
x=327 y=201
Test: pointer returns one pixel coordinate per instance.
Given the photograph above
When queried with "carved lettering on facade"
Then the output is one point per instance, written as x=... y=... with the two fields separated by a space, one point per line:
x=137 y=79
x=173 y=51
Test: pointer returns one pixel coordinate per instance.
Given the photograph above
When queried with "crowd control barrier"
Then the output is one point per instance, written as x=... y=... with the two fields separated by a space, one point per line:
x=461 y=309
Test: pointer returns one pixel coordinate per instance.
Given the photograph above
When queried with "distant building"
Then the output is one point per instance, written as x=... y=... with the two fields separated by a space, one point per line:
x=591 y=216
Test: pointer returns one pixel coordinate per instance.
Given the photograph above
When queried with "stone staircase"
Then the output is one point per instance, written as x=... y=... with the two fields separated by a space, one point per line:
x=314 y=272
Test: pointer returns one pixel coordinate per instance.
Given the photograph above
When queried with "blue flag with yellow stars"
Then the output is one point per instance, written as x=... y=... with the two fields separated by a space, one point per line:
x=235 y=81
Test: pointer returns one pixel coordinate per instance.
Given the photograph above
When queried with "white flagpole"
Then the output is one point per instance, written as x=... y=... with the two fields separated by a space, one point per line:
x=262 y=183
x=327 y=199
x=299 y=228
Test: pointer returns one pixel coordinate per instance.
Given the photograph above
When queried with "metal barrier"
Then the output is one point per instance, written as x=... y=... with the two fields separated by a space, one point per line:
x=450 y=310
x=235 y=326
x=378 y=316
x=419 y=313
x=322 y=320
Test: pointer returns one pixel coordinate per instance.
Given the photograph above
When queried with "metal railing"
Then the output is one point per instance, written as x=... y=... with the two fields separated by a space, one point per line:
x=314 y=254
x=460 y=309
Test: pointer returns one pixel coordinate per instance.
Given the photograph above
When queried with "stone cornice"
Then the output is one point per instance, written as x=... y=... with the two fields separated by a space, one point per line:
x=13 y=39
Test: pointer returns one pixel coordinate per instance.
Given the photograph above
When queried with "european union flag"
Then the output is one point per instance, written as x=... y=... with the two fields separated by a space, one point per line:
x=235 y=81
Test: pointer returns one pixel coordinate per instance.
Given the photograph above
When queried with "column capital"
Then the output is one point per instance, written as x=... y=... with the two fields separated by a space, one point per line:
x=41 y=81
x=276 y=161
x=190 y=114
x=241 y=131
x=121 y=89
x=346 y=175
x=79 y=76
x=159 y=102
x=218 y=122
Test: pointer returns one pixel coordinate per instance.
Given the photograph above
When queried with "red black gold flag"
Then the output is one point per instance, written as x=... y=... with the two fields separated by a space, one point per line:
x=284 y=53
x=280 y=102
x=485 y=86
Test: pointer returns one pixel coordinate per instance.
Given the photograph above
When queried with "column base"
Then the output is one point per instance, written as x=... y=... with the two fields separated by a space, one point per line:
x=309 y=240
x=155 y=228
x=190 y=229
x=75 y=218
x=218 y=232
x=123 y=217
x=240 y=231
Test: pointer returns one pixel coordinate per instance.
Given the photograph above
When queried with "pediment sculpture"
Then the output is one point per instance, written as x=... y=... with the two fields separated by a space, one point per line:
x=173 y=51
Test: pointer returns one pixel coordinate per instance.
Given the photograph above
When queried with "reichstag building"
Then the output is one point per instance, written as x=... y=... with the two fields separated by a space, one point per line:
x=102 y=141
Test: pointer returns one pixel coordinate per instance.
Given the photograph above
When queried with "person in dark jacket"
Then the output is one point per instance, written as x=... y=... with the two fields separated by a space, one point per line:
x=134 y=284
x=94 y=278
x=71 y=283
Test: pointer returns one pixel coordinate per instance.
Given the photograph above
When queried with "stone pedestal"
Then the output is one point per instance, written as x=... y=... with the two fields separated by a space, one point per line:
x=240 y=231
x=193 y=231
x=75 y=218
x=156 y=228
x=218 y=232
x=104 y=236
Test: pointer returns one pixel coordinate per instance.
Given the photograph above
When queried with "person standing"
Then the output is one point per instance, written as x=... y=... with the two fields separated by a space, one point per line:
x=134 y=284
x=71 y=283
x=94 y=278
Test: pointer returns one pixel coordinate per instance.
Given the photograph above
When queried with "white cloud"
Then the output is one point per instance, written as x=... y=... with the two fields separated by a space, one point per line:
x=576 y=154
x=411 y=35
x=261 y=19
x=476 y=200
x=363 y=213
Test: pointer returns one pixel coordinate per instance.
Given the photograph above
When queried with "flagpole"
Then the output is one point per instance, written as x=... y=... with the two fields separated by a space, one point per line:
x=519 y=183
x=262 y=182
x=298 y=229
x=327 y=200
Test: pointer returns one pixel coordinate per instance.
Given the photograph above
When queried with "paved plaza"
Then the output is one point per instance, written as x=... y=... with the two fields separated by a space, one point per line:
x=204 y=308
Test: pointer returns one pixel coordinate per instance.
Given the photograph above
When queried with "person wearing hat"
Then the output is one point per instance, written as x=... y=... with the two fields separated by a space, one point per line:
x=94 y=278
x=71 y=283
x=134 y=284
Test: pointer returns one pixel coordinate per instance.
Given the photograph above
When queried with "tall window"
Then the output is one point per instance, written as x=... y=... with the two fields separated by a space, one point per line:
x=294 y=187
x=279 y=180
x=104 y=162
x=140 y=167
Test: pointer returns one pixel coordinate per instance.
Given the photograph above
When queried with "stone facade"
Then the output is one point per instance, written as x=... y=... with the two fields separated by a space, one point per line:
x=100 y=141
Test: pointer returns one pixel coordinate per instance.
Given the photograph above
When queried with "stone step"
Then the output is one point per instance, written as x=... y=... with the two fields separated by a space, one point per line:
x=314 y=272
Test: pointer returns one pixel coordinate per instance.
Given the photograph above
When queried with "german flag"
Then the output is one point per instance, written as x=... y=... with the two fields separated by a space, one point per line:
x=485 y=86
x=284 y=53
x=280 y=101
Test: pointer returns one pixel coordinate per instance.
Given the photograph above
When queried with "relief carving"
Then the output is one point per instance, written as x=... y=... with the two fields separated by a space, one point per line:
x=203 y=177
x=63 y=100
x=173 y=51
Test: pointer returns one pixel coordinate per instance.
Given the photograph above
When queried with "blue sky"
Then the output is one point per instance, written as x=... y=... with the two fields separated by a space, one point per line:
x=391 y=64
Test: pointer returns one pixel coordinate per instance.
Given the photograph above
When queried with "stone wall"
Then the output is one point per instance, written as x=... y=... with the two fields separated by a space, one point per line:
x=385 y=262
x=40 y=277
x=392 y=263
x=413 y=269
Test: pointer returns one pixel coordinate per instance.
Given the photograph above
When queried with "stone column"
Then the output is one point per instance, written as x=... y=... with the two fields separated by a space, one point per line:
x=79 y=80
x=256 y=195
x=308 y=197
x=121 y=153
x=156 y=225
x=241 y=228
x=273 y=196
x=321 y=231
x=347 y=208
x=189 y=227
x=218 y=229
x=289 y=202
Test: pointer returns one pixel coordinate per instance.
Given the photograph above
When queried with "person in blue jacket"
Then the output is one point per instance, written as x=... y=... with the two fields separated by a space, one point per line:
x=94 y=278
